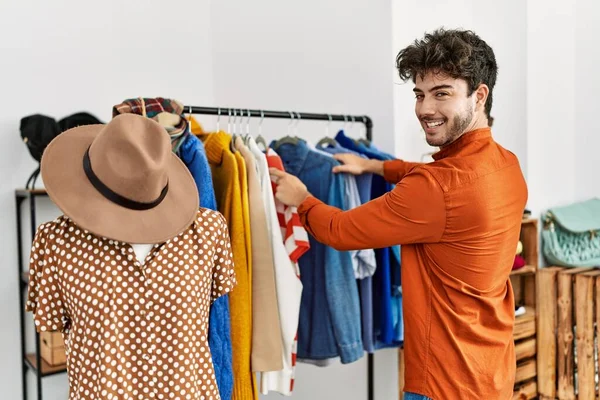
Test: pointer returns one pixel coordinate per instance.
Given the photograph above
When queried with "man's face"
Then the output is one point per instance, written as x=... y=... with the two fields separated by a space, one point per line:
x=443 y=108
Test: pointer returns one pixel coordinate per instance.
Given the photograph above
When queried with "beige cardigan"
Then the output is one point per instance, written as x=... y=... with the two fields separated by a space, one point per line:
x=267 y=345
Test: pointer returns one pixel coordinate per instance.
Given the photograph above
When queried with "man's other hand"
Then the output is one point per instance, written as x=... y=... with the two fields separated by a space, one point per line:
x=355 y=165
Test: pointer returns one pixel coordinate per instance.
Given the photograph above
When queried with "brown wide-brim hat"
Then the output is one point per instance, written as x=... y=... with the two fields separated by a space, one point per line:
x=131 y=159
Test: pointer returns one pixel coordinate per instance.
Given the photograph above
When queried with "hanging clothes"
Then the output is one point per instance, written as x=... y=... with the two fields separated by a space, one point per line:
x=330 y=323
x=193 y=155
x=290 y=242
x=387 y=307
x=358 y=190
x=167 y=112
x=267 y=345
x=228 y=192
x=366 y=258
x=243 y=177
x=395 y=263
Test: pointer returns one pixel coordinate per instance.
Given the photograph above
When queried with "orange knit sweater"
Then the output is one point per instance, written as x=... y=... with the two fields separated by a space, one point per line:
x=230 y=201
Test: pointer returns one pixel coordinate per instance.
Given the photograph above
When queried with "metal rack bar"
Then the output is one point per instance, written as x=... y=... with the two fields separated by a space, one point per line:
x=224 y=111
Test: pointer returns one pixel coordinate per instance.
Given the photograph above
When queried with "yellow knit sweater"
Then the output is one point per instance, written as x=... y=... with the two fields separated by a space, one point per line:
x=241 y=163
x=230 y=201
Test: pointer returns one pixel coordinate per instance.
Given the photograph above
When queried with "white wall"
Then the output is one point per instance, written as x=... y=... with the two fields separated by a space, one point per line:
x=317 y=56
x=586 y=81
x=65 y=56
x=551 y=103
x=503 y=26
x=562 y=87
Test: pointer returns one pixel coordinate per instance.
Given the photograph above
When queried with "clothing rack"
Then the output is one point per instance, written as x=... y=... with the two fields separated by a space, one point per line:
x=364 y=119
x=243 y=112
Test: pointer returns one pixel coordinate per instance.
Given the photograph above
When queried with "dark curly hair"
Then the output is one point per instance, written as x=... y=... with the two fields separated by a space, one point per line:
x=456 y=53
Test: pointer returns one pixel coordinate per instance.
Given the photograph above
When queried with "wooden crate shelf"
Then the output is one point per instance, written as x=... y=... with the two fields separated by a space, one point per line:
x=47 y=369
x=568 y=324
x=525 y=324
x=526 y=370
x=526 y=348
x=528 y=269
x=526 y=329
x=525 y=391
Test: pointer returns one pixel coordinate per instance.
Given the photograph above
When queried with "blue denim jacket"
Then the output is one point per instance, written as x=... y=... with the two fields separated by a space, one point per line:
x=365 y=285
x=330 y=323
x=387 y=312
x=192 y=154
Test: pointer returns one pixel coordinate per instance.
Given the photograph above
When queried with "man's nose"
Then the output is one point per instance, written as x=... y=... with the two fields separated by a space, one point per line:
x=427 y=108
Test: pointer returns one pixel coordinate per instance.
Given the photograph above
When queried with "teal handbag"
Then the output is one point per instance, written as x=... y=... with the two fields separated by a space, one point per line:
x=571 y=235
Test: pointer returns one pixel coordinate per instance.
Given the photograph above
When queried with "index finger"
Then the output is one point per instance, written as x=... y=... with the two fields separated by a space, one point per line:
x=276 y=172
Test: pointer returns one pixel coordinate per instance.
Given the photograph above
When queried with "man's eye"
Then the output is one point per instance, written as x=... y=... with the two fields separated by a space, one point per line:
x=441 y=94
x=419 y=96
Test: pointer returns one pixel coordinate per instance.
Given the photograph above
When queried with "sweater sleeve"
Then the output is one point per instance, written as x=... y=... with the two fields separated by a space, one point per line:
x=394 y=170
x=413 y=212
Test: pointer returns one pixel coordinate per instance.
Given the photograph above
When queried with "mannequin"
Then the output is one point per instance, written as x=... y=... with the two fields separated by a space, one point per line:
x=130 y=291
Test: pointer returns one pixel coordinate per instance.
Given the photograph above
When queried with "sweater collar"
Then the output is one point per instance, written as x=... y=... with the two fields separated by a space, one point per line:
x=214 y=146
x=465 y=140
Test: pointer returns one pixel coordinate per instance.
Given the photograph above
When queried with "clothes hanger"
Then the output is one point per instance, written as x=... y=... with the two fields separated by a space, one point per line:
x=218 y=118
x=259 y=139
x=297 y=124
x=241 y=122
x=346 y=131
x=228 y=120
x=189 y=121
x=327 y=140
x=247 y=136
x=366 y=142
x=233 y=134
x=287 y=139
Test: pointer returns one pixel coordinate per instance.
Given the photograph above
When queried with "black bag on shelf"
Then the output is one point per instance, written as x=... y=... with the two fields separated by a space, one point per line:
x=37 y=131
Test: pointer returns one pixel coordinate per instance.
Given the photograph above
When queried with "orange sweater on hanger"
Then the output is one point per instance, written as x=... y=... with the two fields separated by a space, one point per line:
x=458 y=219
x=228 y=191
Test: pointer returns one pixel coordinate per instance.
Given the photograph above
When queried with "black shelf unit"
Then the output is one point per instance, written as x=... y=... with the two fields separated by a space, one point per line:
x=31 y=361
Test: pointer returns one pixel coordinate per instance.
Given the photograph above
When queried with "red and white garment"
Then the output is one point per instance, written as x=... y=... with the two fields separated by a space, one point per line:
x=294 y=235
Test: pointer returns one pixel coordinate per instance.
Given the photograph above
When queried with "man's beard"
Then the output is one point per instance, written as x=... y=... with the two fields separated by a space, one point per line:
x=460 y=123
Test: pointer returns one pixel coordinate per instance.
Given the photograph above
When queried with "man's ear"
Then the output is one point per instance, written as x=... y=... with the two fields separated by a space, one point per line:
x=481 y=95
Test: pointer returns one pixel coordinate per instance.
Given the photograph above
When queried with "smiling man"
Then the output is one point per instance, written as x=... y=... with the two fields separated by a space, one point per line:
x=458 y=219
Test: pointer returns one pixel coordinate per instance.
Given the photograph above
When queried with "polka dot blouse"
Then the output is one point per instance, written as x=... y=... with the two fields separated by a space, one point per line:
x=132 y=331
